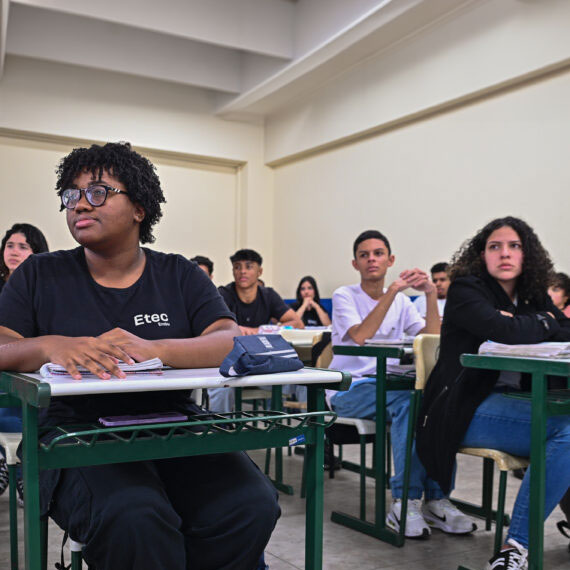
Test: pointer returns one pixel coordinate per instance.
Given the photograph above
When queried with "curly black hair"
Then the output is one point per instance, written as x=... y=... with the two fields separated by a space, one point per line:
x=136 y=172
x=537 y=269
x=35 y=238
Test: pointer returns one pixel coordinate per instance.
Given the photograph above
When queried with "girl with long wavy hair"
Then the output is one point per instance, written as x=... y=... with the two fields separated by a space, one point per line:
x=498 y=292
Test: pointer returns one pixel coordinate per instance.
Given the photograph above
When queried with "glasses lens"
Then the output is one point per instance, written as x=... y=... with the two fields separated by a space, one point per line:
x=96 y=195
x=70 y=197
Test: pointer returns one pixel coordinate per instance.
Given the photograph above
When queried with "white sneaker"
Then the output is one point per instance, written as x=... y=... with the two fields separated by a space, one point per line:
x=443 y=514
x=416 y=526
x=515 y=558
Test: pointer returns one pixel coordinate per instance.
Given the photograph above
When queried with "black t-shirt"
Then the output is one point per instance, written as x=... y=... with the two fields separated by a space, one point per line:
x=266 y=306
x=310 y=318
x=54 y=293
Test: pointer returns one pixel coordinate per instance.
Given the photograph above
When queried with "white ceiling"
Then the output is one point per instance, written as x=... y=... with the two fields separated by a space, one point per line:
x=254 y=56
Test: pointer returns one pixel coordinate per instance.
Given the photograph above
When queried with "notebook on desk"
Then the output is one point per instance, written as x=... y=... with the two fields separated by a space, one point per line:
x=154 y=366
x=405 y=342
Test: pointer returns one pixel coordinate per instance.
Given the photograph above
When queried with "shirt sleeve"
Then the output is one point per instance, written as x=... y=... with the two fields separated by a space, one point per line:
x=17 y=301
x=345 y=313
x=205 y=304
x=277 y=305
x=420 y=305
x=413 y=322
x=469 y=307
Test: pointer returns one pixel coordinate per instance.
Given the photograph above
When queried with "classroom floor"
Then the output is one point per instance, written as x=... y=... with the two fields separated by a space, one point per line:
x=345 y=549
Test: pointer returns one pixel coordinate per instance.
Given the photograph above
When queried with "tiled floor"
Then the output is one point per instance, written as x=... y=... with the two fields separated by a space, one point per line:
x=346 y=549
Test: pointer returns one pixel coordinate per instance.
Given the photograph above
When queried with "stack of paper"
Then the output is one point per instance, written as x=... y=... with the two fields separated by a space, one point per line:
x=154 y=366
x=540 y=350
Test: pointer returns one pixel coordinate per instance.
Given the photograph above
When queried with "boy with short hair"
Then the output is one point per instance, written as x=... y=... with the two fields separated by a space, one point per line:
x=368 y=310
x=253 y=304
x=205 y=264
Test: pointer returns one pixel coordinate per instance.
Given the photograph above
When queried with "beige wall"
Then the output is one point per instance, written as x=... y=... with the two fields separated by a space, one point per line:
x=430 y=185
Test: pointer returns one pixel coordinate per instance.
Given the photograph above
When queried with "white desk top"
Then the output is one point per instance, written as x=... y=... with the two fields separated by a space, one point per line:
x=182 y=379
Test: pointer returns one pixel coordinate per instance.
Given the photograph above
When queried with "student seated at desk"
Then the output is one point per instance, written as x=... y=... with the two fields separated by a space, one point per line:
x=498 y=292
x=253 y=305
x=19 y=242
x=307 y=306
x=205 y=264
x=440 y=279
x=559 y=292
x=368 y=310
x=111 y=299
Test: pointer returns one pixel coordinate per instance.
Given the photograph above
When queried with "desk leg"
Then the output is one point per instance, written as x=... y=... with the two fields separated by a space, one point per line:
x=30 y=464
x=537 y=471
x=315 y=457
x=378 y=527
x=277 y=405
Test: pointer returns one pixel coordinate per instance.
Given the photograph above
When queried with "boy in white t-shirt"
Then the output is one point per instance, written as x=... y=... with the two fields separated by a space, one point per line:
x=371 y=311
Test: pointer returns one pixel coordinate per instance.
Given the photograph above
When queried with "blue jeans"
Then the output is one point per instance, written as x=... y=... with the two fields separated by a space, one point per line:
x=11 y=419
x=360 y=402
x=504 y=423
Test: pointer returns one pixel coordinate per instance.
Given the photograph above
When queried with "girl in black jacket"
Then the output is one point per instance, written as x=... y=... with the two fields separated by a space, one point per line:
x=498 y=292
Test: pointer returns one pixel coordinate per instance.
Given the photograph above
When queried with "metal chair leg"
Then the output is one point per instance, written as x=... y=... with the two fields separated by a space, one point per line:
x=500 y=511
x=13 y=510
x=362 y=477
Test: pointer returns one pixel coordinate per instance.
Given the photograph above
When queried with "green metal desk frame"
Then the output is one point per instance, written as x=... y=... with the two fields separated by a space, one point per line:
x=215 y=433
x=543 y=406
x=378 y=528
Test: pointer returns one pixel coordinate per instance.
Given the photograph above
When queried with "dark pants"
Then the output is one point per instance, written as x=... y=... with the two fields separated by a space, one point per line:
x=212 y=512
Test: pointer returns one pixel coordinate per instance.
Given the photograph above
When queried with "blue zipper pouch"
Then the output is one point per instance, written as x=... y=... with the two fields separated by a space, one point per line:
x=260 y=354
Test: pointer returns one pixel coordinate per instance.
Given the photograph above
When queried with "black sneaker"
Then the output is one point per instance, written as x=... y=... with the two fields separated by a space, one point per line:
x=4 y=478
x=564 y=528
x=515 y=558
x=20 y=492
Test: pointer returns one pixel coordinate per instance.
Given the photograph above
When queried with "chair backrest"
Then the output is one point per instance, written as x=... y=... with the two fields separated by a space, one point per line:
x=426 y=351
x=325 y=357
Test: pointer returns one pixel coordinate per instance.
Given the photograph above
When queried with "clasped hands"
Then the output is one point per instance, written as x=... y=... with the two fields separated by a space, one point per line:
x=414 y=278
x=101 y=354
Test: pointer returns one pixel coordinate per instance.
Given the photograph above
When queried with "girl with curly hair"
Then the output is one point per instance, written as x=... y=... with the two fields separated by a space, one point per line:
x=498 y=292
x=110 y=299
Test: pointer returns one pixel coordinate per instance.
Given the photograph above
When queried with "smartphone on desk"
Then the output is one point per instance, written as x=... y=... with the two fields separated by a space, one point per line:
x=141 y=419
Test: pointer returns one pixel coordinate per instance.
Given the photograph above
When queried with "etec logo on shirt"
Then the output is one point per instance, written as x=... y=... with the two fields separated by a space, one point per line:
x=161 y=319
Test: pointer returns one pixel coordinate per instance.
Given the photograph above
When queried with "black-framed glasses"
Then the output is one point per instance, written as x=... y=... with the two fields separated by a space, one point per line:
x=95 y=195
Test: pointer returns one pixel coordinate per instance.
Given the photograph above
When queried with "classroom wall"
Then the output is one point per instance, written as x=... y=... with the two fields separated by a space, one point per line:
x=425 y=156
x=218 y=189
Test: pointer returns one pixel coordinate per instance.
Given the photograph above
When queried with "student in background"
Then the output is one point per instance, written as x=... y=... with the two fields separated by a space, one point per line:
x=559 y=292
x=441 y=281
x=253 y=304
x=205 y=264
x=80 y=308
x=369 y=310
x=307 y=306
x=498 y=292
x=19 y=242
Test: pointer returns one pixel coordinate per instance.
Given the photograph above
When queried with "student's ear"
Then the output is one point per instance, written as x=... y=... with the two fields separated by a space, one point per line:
x=354 y=264
x=391 y=259
x=260 y=271
x=139 y=213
